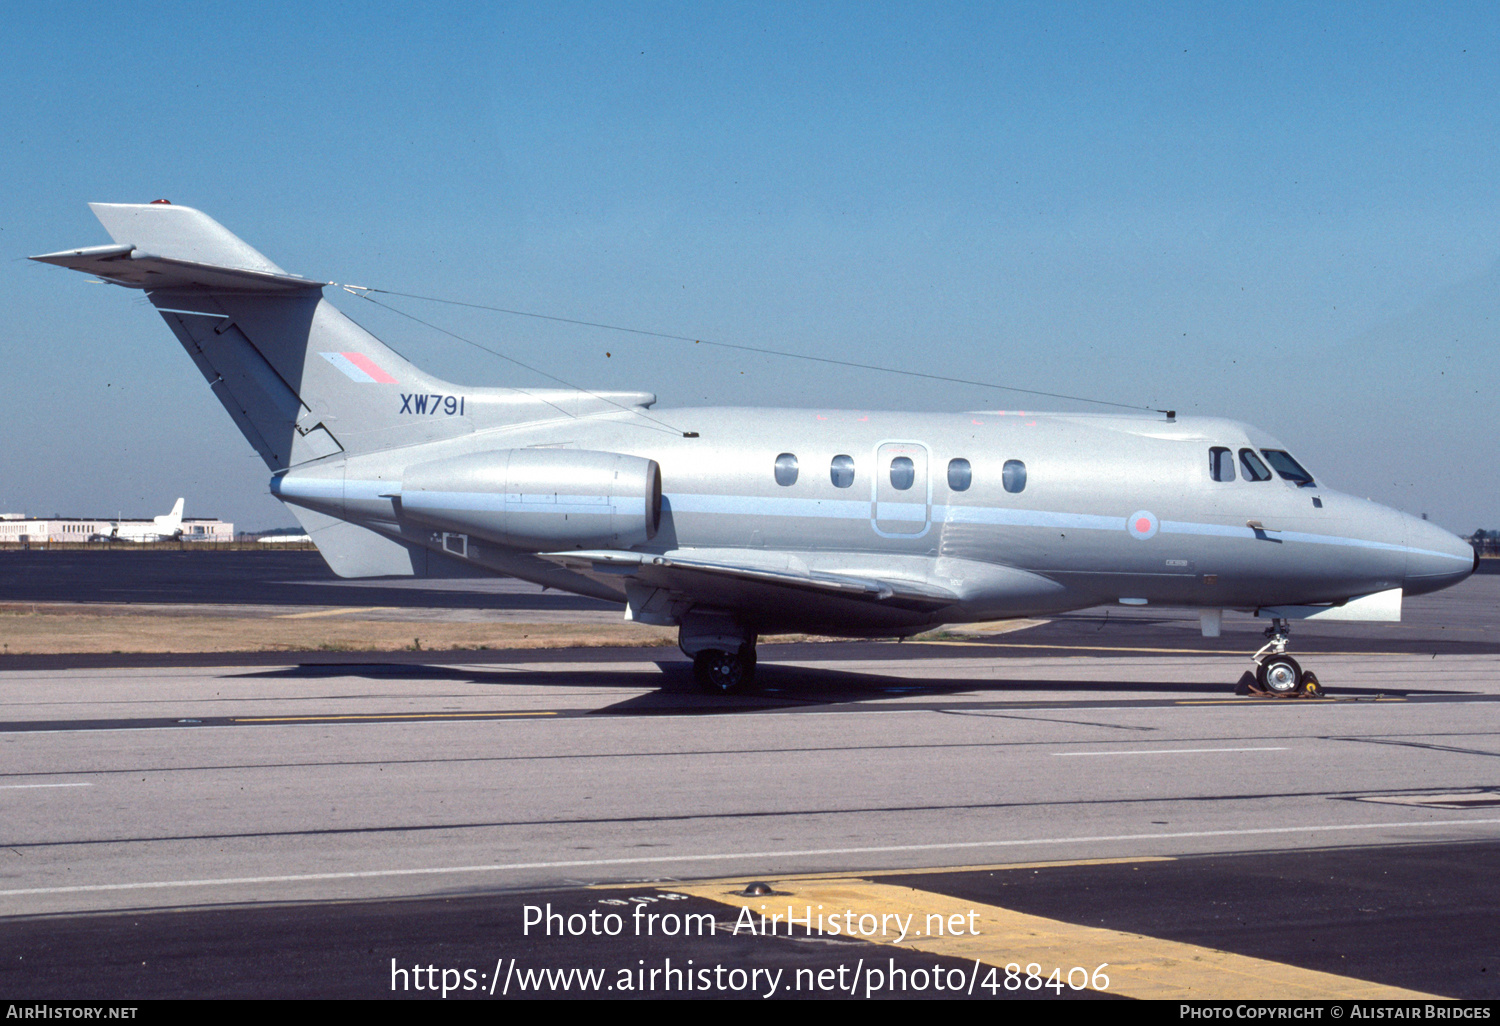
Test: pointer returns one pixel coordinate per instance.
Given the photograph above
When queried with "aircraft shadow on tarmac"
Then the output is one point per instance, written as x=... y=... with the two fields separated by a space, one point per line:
x=794 y=686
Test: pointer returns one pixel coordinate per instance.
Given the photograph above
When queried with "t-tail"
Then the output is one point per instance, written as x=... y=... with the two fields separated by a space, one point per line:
x=302 y=381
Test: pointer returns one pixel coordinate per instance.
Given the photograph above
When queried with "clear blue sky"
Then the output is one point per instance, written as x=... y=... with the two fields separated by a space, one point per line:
x=1286 y=214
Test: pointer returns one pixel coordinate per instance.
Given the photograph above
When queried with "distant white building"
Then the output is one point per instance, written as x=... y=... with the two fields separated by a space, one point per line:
x=17 y=529
x=207 y=530
x=53 y=529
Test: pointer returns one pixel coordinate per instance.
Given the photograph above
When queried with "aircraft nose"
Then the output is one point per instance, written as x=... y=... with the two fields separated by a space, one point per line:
x=1435 y=559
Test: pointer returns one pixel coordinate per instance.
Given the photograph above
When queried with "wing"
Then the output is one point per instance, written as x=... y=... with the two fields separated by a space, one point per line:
x=773 y=593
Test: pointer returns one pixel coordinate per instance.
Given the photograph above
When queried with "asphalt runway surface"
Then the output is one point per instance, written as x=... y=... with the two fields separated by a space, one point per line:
x=1085 y=793
x=287 y=578
x=1461 y=620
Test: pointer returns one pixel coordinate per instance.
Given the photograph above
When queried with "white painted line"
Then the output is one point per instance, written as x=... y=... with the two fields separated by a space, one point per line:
x=724 y=856
x=21 y=787
x=1169 y=751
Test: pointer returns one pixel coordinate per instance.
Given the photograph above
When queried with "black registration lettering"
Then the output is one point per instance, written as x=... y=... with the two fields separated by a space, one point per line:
x=432 y=405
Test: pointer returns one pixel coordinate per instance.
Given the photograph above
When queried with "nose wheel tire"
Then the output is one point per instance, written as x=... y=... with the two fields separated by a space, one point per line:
x=724 y=673
x=1279 y=674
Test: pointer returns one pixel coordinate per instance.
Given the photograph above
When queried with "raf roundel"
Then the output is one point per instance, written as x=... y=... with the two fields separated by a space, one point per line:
x=1142 y=524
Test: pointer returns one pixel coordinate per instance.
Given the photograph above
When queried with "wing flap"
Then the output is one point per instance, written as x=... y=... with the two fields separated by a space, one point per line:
x=663 y=569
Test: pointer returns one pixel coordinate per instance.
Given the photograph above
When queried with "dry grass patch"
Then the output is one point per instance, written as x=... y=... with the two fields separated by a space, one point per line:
x=46 y=632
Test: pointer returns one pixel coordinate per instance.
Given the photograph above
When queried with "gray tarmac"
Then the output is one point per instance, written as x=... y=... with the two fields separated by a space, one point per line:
x=280 y=809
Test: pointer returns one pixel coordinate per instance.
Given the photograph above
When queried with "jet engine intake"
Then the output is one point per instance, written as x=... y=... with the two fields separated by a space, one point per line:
x=539 y=500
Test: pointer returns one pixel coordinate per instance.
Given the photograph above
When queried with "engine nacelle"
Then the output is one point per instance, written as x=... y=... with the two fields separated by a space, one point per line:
x=540 y=500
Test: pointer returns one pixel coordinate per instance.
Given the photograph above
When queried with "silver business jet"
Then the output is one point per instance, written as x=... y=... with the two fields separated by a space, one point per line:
x=731 y=523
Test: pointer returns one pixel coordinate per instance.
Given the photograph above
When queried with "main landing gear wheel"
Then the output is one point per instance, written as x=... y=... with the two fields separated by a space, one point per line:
x=1279 y=674
x=724 y=673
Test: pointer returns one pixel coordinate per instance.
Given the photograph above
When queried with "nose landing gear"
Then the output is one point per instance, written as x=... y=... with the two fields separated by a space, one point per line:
x=1277 y=675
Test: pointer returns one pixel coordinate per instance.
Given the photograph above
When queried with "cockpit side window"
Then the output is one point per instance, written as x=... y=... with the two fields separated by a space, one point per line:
x=1288 y=468
x=1220 y=464
x=1253 y=468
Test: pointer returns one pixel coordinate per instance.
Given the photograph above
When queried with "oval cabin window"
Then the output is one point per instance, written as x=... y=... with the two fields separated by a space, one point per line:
x=960 y=475
x=786 y=469
x=903 y=473
x=841 y=471
x=1013 y=476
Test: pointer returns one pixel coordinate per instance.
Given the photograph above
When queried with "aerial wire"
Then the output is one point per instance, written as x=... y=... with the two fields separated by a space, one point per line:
x=360 y=290
x=636 y=410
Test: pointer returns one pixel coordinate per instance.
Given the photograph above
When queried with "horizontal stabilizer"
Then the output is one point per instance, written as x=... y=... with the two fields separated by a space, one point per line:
x=124 y=265
x=162 y=246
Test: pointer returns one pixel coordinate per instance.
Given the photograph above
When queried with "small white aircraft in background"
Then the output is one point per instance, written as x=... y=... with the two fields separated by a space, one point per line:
x=167 y=527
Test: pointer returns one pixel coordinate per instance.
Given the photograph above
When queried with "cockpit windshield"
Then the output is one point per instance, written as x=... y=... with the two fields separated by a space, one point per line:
x=1288 y=468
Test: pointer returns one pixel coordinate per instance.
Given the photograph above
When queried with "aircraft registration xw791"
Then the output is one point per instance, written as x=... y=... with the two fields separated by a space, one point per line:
x=732 y=523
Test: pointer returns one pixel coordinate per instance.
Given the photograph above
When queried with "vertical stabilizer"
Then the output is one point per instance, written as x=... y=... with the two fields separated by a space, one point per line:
x=170 y=523
x=301 y=381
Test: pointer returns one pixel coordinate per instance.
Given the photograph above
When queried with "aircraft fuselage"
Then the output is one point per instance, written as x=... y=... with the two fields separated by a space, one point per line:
x=1094 y=509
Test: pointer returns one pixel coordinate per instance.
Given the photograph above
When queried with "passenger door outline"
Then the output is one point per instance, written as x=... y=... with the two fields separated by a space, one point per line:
x=893 y=511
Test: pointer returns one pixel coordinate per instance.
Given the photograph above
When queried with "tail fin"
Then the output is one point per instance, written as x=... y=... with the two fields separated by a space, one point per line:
x=300 y=379
x=170 y=523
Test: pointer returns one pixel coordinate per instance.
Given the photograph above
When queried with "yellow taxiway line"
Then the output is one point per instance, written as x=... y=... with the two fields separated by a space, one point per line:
x=1013 y=942
x=1064 y=647
x=333 y=612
